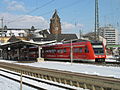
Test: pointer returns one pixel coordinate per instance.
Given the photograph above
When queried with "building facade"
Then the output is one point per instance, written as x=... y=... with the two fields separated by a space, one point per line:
x=55 y=24
x=36 y=35
x=110 y=34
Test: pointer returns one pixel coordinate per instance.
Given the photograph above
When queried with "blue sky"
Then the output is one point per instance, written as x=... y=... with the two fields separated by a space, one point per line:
x=74 y=14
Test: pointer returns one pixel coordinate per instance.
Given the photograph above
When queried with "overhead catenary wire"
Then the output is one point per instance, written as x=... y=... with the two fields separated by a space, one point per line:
x=69 y=5
x=61 y=8
x=32 y=11
x=35 y=9
x=41 y=6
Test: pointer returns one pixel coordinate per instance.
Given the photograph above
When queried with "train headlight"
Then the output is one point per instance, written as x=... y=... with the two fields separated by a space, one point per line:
x=96 y=56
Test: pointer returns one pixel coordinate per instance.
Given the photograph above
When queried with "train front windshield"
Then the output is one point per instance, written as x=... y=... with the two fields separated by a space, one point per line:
x=98 y=49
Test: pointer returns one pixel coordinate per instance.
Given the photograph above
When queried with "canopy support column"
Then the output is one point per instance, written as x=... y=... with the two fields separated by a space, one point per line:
x=39 y=59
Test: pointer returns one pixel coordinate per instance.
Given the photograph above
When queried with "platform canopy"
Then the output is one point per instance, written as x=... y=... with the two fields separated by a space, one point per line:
x=20 y=43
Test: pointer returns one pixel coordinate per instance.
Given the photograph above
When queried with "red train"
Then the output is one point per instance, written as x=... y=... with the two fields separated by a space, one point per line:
x=84 y=50
x=90 y=51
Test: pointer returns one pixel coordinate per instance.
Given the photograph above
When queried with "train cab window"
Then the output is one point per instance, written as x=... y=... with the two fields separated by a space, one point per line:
x=80 y=50
x=98 y=49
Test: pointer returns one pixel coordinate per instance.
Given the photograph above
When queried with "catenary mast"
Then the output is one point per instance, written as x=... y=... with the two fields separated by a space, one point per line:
x=96 y=20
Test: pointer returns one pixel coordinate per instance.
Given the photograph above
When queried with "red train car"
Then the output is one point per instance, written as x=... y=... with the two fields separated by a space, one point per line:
x=77 y=51
x=30 y=53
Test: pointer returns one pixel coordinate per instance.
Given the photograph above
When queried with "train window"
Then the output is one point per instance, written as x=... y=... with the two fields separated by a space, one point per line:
x=43 y=51
x=76 y=50
x=99 y=51
x=53 y=51
x=86 y=50
x=80 y=50
x=64 y=50
x=47 y=51
x=57 y=51
x=61 y=51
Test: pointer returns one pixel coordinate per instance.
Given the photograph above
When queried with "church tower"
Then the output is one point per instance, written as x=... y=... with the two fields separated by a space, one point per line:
x=55 y=25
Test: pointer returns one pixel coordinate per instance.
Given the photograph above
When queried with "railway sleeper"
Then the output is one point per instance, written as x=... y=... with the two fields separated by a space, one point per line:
x=49 y=78
x=65 y=82
x=60 y=81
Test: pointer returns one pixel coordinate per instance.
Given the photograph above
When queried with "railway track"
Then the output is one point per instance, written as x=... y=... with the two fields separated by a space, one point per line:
x=23 y=82
x=114 y=64
x=34 y=79
x=85 y=81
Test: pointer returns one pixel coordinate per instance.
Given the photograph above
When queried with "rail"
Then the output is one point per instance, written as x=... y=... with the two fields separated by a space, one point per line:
x=35 y=79
x=85 y=81
x=113 y=64
x=25 y=83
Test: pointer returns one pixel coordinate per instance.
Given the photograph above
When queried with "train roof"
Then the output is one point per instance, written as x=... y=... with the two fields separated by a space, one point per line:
x=74 y=41
x=81 y=40
x=96 y=42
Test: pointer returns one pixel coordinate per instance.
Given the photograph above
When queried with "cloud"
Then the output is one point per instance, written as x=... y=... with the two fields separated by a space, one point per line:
x=78 y=25
x=13 y=5
x=24 y=21
x=68 y=27
x=27 y=21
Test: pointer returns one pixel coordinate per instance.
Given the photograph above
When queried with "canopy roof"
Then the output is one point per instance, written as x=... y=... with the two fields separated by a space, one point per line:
x=24 y=42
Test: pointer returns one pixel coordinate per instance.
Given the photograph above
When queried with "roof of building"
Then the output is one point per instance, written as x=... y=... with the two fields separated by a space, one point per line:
x=89 y=34
x=44 y=32
x=55 y=15
x=13 y=39
x=59 y=37
x=24 y=42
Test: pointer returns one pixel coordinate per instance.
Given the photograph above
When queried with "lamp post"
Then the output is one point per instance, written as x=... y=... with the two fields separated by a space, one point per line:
x=71 y=53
